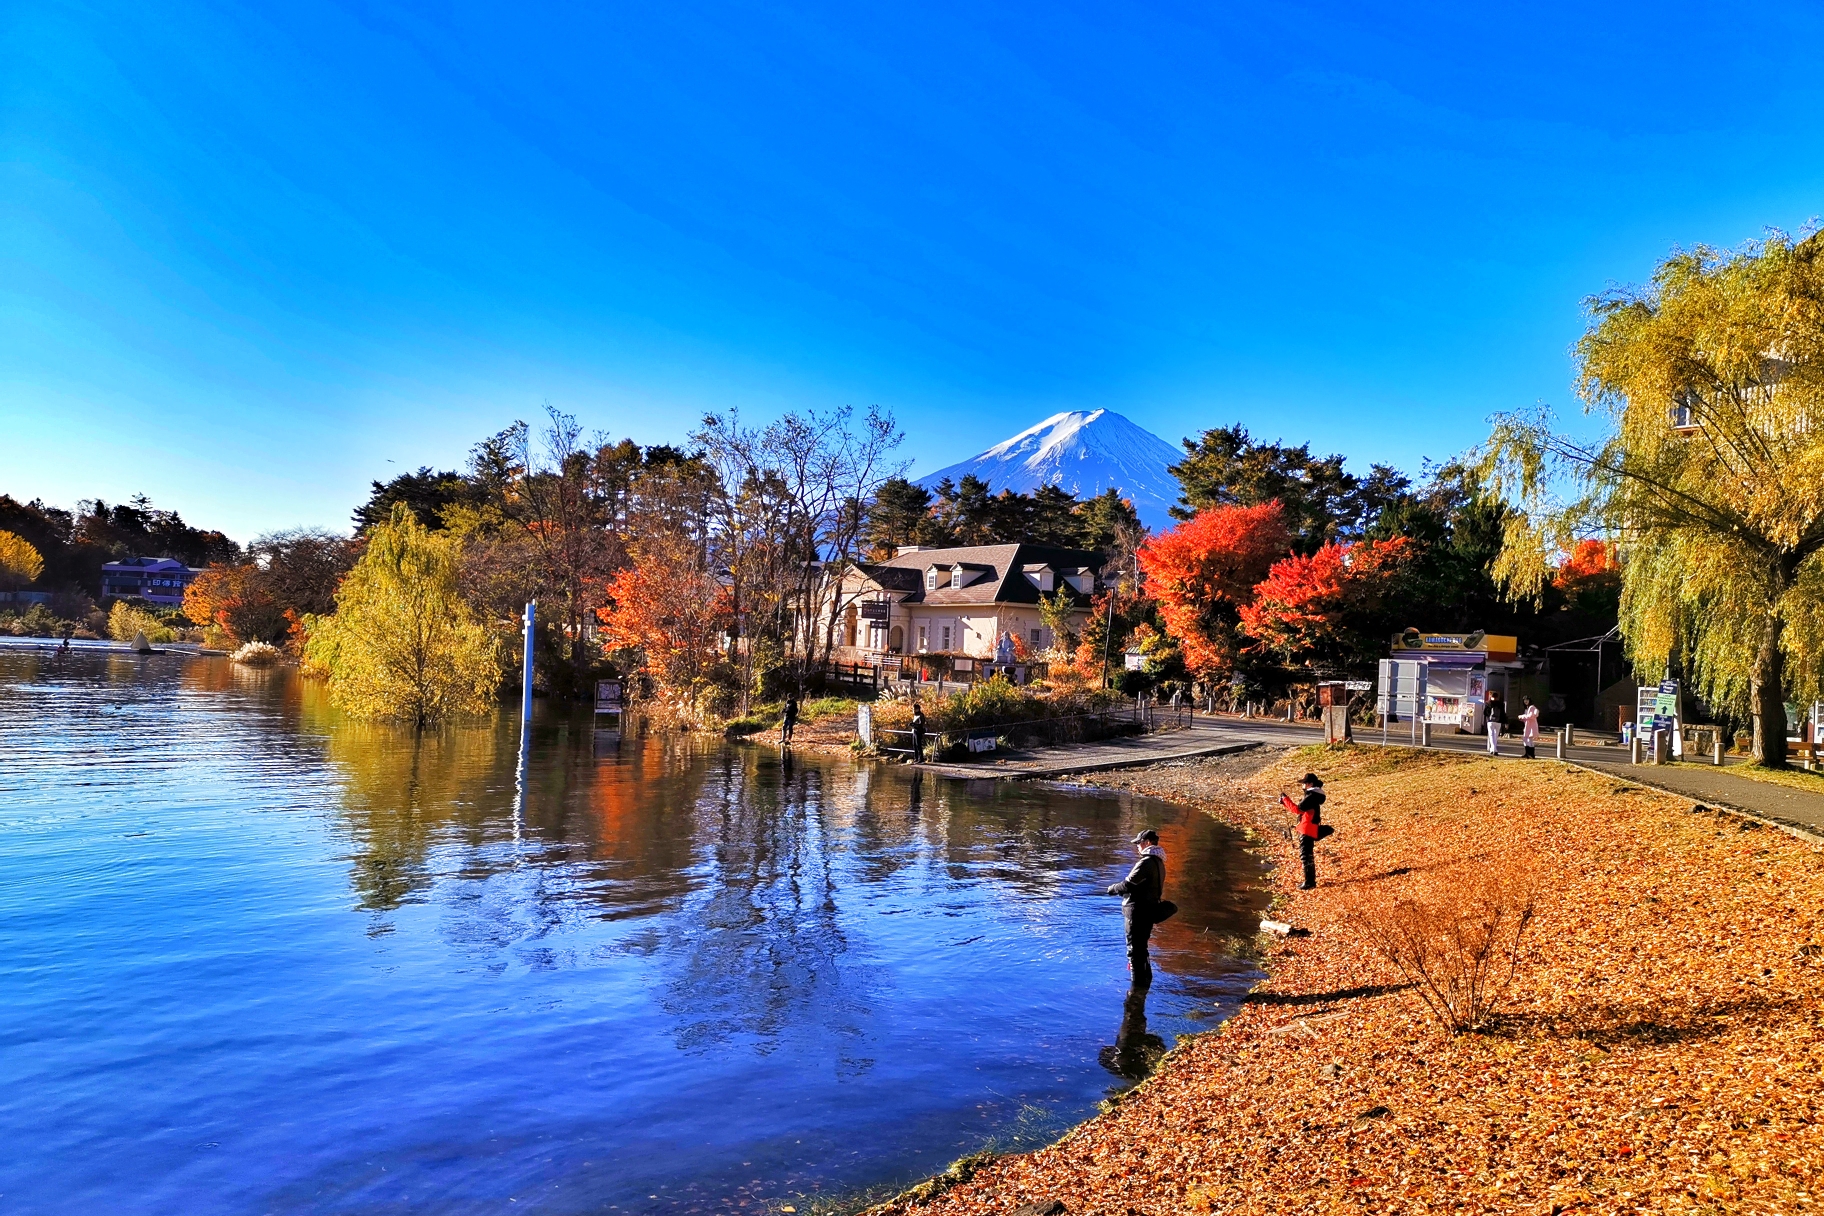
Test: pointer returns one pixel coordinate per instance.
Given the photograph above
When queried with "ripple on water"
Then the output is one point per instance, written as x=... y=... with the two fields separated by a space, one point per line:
x=266 y=959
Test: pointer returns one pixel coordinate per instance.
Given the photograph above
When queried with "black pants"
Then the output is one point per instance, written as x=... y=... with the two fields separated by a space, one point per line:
x=1307 y=853
x=1139 y=930
x=918 y=746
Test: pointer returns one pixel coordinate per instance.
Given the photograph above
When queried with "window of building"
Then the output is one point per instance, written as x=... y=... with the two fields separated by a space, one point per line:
x=946 y=644
x=1036 y=635
x=956 y=578
x=922 y=644
x=931 y=580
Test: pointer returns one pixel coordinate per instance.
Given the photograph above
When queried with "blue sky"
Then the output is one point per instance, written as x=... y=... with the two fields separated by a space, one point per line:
x=248 y=256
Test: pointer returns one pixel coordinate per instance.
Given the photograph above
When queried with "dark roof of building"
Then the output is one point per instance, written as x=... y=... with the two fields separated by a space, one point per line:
x=145 y=563
x=1004 y=583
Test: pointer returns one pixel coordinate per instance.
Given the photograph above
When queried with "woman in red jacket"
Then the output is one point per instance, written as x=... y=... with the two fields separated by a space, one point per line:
x=1309 y=810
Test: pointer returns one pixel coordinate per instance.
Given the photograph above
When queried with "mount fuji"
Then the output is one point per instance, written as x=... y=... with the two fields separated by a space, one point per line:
x=1085 y=452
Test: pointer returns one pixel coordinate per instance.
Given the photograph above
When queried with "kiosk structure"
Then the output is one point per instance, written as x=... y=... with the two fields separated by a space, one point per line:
x=1461 y=669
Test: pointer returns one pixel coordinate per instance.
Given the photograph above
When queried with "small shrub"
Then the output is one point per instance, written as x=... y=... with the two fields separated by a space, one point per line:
x=40 y=622
x=1454 y=934
x=256 y=654
x=125 y=620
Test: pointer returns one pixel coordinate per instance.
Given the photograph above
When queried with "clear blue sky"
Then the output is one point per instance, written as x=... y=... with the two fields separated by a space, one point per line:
x=247 y=258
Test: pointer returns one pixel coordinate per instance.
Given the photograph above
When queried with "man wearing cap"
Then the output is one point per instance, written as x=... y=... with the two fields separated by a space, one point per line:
x=1309 y=810
x=1140 y=894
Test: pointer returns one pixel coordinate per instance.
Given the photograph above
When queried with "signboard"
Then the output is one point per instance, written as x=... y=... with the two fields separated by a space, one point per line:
x=1358 y=685
x=607 y=696
x=874 y=610
x=1459 y=643
x=864 y=724
x=1135 y=660
x=1401 y=688
x=981 y=740
x=962 y=665
x=1656 y=708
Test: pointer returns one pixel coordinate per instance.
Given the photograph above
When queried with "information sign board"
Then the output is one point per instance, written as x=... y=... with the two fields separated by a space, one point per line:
x=1400 y=691
x=873 y=610
x=607 y=696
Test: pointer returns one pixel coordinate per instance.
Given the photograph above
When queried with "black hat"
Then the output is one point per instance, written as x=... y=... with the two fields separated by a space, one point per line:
x=1311 y=779
x=1149 y=836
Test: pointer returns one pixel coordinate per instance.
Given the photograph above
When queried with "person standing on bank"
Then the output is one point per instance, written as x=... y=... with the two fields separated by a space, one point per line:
x=788 y=721
x=1310 y=812
x=918 y=734
x=1142 y=905
x=1529 y=727
x=1496 y=717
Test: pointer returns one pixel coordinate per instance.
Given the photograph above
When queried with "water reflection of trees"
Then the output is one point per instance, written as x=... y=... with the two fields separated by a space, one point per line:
x=760 y=949
x=403 y=790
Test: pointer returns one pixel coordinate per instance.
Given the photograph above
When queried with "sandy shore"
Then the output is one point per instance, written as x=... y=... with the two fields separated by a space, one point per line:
x=1661 y=1050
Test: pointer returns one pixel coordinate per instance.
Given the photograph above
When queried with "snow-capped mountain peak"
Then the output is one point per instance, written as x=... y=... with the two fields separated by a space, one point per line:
x=1085 y=452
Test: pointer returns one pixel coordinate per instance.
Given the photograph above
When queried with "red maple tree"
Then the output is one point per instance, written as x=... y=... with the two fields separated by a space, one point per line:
x=1321 y=607
x=668 y=607
x=1202 y=573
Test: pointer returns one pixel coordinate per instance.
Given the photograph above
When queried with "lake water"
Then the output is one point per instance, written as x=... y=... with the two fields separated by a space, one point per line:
x=262 y=959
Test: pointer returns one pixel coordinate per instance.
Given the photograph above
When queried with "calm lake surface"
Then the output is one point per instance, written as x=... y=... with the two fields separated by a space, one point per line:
x=262 y=959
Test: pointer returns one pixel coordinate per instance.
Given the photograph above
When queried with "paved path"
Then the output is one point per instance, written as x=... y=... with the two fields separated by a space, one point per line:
x=1776 y=804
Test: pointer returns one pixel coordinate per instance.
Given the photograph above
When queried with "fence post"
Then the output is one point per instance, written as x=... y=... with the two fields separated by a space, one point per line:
x=1561 y=743
x=1424 y=732
x=1634 y=749
x=1717 y=753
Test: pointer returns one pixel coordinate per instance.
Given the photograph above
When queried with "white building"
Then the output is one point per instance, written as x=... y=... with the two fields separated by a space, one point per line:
x=957 y=601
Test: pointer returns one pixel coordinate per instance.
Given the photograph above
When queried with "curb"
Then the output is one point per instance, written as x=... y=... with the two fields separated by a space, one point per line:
x=1811 y=835
x=960 y=773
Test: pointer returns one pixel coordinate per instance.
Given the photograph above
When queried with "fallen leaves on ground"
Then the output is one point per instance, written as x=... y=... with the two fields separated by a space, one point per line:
x=1662 y=1049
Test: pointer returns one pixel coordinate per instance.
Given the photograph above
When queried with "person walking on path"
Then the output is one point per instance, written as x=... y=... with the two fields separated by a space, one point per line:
x=1141 y=893
x=918 y=734
x=1529 y=727
x=1496 y=718
x=788 y=720
x=1310 y=812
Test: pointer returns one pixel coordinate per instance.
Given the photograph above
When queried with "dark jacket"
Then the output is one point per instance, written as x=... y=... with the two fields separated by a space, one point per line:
x=1310 y=811
x=1496 y=712
x=1144 y=885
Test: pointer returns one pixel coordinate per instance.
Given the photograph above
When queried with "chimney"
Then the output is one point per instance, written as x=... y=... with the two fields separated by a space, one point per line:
x=902 y=550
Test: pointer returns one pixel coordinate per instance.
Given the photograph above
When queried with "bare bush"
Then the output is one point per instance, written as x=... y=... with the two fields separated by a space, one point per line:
x=1454 y=933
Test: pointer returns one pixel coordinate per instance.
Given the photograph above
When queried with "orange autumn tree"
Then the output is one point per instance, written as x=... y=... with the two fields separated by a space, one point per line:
x=669 y=609
x=1324 y=608
x=235 y=600
x=1590 y=577
x=1203 y=572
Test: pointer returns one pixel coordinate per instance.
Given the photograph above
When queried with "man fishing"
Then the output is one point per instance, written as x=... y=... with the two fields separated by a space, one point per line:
x=1141 y=904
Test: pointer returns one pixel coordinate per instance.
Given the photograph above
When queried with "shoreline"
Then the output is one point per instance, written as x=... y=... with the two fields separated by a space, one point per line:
x=1631 y=1067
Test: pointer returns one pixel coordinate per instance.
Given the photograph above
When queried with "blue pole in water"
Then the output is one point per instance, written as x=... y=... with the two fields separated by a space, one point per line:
x=525 y=701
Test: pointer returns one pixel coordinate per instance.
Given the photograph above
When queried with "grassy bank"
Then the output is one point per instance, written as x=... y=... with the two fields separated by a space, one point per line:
x=1660 y=1049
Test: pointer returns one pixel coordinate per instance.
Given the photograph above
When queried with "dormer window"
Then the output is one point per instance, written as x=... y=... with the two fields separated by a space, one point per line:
x=931 y=579
x=956 y=577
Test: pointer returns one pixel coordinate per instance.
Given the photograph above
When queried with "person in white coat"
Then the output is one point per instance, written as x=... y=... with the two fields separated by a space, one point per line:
x=1529 y=727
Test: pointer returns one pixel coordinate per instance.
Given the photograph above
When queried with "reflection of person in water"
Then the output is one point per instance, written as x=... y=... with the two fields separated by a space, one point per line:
x=1135 y=1052
x=918 y=791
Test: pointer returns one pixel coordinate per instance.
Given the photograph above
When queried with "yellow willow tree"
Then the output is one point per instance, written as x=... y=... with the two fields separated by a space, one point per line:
x=402 y=642
x=1710 y=477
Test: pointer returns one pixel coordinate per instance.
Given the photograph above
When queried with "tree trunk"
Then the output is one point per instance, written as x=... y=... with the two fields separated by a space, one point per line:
x=1769 y=694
